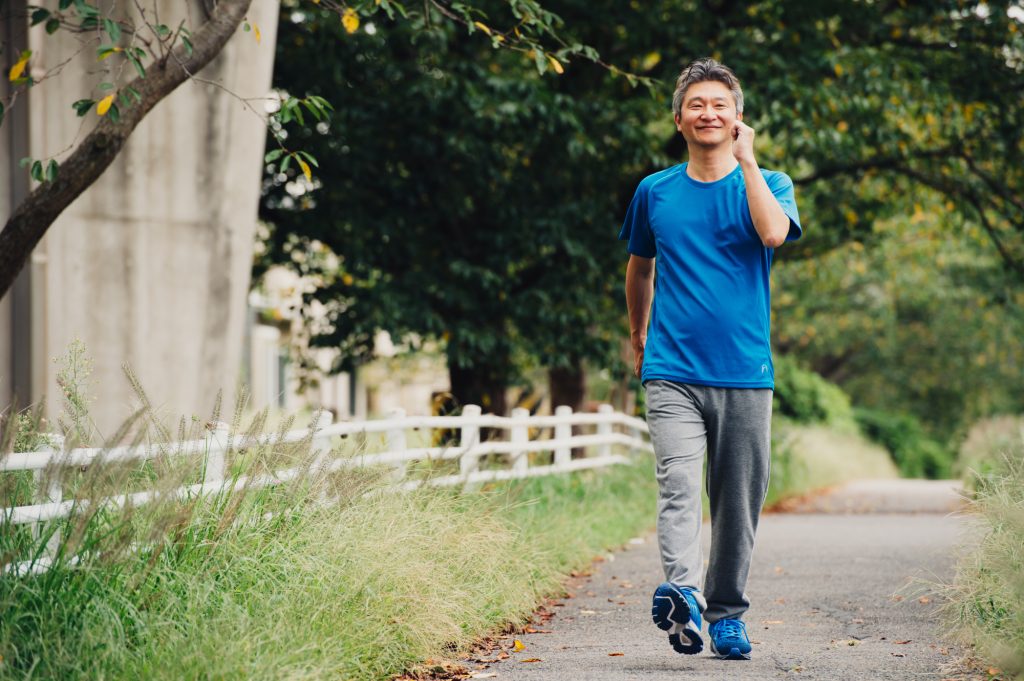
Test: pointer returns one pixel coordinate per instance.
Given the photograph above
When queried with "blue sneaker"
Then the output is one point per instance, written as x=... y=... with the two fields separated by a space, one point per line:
x=675 y=610
x=729 y=639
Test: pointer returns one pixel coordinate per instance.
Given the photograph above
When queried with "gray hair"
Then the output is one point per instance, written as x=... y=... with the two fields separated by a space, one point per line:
x=701 y=70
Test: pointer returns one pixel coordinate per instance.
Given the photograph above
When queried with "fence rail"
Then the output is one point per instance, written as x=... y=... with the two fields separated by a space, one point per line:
x=467 y=448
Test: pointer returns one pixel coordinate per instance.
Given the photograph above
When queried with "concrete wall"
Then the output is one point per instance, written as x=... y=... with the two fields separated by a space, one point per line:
x=151 y=265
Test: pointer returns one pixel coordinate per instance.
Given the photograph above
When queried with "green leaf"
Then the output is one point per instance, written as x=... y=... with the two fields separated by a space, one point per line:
x=286 y=162
x=112 y=29
x=273 y=155
x=64 y=4
x=137 y=64
x=37 y=171
x=40 y=15
x=188 y=45
x=85 y=9
x=134 y=93
x=24 y=161
x=51 y=170
x=246 y=27
x=83 y=106
x=106 y=86
x=52 y=25
x=114 y=113
x=309 y=157
x=162 y=30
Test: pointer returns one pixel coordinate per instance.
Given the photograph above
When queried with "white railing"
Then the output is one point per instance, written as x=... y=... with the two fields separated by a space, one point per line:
x=610 y=429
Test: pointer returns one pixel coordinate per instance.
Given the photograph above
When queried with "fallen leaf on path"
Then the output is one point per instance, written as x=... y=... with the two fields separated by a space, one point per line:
x=897 y=598
x=616 y=654
x=857 y=621
x=901 y=643
x=588 y=612
x=518 y=646
x=780 y=601
x=488 y=675
x=897 y=654
x=852 y=643
x=779 y=570
x=924 y=599
x=531 y=630
x=992 y=671
x=772 y=622
x=532 y=659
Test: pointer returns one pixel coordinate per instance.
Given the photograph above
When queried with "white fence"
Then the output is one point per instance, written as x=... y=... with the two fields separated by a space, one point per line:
x=610 y=430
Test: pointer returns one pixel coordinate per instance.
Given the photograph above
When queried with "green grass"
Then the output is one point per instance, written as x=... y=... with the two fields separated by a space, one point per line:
x=986 y=601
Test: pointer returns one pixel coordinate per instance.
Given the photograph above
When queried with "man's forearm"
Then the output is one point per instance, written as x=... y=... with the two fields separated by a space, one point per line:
x=770 y=221
x=639 y=294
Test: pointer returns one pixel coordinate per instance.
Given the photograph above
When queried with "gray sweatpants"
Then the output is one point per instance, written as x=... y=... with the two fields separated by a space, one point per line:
x=734 y=426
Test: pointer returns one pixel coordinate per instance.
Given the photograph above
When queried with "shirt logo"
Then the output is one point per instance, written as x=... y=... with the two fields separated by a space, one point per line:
x=764 y=369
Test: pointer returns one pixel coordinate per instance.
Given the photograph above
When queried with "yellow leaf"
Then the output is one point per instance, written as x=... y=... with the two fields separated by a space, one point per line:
x=256 y=32
x=518 y=646
x=556 y=65
x=839 y=70
x=347 y=279
x=842 y=126
x=350 y=20
x=104 y=106
x=305 y=169
x=651 y=60
x=483 y=27
x=18 y=68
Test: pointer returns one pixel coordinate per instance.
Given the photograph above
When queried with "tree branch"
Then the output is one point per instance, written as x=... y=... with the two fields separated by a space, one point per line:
x=97 y=151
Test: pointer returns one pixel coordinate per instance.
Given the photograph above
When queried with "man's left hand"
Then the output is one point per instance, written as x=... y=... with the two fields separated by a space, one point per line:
x=743 y=142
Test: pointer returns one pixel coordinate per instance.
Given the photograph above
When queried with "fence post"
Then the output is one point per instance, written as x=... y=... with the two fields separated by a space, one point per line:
x=605 y=428
x=395 y=442
x=216 y=453
x=469 y=438
x=563 y=455
x=48 y=488
x=520 y=458
x=322 y=456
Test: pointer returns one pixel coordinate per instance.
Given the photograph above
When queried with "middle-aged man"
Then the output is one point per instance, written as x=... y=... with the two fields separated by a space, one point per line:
x=705 y=358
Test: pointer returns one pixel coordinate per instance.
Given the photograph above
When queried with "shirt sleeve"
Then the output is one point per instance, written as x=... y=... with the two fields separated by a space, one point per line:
x=782 y=187
x=636 y=228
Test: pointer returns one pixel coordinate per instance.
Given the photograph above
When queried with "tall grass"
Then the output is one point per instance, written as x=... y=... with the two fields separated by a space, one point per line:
x=271 y=583
x=986 y=600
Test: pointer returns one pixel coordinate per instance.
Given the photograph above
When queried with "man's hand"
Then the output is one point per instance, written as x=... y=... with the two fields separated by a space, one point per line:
x=743 y=142
x=638 y=355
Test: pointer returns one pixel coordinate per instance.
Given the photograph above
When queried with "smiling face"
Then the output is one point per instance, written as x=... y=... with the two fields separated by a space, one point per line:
x=707 y=115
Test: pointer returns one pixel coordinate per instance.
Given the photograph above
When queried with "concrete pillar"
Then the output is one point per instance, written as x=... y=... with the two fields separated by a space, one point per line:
x=151 y=265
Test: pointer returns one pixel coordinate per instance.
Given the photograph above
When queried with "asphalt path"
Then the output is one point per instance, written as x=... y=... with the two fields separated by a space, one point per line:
x=840 y=588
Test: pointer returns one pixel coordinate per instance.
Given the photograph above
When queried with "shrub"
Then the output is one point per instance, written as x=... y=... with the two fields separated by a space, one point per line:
x=916 y=454
x=805 y=397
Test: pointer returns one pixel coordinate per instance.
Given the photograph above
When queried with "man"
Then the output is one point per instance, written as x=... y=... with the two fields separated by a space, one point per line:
x=705 y=358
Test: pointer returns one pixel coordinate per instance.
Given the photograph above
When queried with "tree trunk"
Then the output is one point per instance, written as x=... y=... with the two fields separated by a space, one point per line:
x=481 y=384
x=568 y=388
x=40 y=209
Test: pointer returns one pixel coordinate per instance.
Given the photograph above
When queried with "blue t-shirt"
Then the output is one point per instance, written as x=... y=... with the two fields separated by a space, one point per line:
x=712 y=304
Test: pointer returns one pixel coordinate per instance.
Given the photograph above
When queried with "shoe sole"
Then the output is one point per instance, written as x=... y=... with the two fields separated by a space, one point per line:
x=670 y=608
x=733 y=654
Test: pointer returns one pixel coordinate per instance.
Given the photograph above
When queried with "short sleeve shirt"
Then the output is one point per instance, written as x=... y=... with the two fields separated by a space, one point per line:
x=712 y=304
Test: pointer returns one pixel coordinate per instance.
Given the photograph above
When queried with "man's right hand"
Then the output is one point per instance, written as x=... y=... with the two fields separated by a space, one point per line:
x=638 y=358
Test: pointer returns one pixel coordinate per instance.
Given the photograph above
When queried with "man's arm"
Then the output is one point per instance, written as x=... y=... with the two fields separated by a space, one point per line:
x=639 y=294
x=770 y=221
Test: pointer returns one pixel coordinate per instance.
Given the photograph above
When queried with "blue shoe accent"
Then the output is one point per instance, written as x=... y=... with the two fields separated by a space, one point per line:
x=729 y=639
x=675 y=609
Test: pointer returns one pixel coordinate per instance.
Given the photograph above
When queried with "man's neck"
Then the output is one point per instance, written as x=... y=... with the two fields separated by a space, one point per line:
x=710 y=164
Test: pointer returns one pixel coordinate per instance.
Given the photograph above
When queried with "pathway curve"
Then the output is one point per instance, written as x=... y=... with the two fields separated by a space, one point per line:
x=834 y=595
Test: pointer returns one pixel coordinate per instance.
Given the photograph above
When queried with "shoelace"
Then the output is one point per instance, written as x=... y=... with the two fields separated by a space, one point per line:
x=731 y=628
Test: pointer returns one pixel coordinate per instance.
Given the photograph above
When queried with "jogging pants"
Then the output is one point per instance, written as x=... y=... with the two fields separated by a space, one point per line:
x=733 y=425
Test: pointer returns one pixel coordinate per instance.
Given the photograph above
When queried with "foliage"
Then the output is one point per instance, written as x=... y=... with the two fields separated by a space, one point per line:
x=986 y=601
x=805 y=397
x=916 y=454
x=922 y=319
x=469 y=217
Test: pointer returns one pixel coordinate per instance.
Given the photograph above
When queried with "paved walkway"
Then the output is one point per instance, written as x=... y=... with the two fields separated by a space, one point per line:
x=834 y=596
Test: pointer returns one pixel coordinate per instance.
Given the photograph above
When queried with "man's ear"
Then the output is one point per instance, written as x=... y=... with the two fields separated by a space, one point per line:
x=739 y=116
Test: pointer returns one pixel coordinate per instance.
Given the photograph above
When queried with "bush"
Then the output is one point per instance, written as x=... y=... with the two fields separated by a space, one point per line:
x=916 y=454
x=987 y=442
x=805 y=397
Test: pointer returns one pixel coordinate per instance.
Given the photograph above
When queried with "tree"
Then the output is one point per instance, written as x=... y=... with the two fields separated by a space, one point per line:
x=161 y=57
x=911 y=97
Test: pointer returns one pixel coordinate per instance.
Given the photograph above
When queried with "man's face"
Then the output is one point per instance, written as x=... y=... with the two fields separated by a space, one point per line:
x=708 y=114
